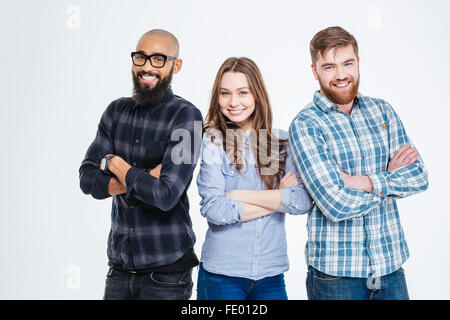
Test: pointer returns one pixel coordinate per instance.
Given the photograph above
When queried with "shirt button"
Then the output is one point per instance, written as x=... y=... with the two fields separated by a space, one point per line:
x=134 y=163
x=259 y=220
x=296 y=206
x=232 y=171
x=137 y=140
x=142 y=118
x=256 y=255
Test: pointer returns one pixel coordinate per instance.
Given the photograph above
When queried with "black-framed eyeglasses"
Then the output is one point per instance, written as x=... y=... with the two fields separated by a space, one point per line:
x=157 y=60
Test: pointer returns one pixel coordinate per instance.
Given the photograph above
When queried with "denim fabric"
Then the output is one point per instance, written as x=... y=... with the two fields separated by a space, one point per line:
x=212 y=286
x=265 y=251
x=121 y=285
x=321 y=286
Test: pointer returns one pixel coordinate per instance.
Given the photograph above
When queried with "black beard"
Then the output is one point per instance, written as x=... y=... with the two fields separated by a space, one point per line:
x=146 y=96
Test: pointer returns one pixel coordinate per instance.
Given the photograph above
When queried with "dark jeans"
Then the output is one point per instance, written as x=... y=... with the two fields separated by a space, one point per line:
x=122 y=285
x=212 y=286
x=321 y=286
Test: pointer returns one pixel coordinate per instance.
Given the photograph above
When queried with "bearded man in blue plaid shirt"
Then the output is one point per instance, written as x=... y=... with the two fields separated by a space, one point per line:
x=355 y=159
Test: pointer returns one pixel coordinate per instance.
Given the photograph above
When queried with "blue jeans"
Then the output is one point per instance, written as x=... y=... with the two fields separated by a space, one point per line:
x=212 y=286
x=321 y=286
x=121 y=285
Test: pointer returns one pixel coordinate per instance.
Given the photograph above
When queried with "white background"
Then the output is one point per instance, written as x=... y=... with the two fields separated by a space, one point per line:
x=62 y=65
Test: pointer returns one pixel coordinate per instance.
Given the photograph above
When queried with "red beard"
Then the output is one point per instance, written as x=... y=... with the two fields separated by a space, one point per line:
x=341 y=97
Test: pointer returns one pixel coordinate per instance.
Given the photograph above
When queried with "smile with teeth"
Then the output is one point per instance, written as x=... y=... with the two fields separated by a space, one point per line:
x=148 y=78
x=342 y=85
x=236 y=112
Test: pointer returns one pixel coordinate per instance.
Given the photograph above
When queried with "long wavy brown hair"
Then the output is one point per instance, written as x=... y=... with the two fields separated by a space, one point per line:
x=270 y=160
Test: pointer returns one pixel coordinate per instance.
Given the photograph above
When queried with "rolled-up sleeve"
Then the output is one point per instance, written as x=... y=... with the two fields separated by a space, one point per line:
x=294 y=200
x=215 y=206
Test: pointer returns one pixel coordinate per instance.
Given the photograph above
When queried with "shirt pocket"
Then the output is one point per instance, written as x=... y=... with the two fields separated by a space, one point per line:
x=231 y=176
x=154 y=153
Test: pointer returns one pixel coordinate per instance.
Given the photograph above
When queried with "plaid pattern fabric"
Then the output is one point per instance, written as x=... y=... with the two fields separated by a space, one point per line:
x=150 y=224
x=352 y=233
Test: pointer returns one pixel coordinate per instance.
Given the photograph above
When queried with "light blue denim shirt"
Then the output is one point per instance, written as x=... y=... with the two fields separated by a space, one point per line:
x=254 y=249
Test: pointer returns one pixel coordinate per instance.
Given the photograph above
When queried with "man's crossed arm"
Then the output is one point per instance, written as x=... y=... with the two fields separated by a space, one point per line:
x=405 y=156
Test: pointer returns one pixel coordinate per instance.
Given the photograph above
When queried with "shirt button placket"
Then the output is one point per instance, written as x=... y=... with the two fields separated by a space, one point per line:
x=257 y=248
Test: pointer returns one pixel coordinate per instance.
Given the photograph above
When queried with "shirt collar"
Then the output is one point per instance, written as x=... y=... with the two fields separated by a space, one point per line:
x=326 y=105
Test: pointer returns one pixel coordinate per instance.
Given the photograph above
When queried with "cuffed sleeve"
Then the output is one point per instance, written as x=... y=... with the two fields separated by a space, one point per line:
x=380 y=185
x=294 y=200
x=130 y=179
x=285 y=200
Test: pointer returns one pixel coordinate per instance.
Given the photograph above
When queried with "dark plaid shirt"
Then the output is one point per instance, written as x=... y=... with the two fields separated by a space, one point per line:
x=150 y=224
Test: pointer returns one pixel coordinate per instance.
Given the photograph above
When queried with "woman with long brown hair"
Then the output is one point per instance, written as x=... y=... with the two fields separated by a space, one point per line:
x=247 y=181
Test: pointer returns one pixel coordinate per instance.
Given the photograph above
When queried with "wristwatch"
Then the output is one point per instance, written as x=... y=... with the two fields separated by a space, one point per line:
x=104 y=164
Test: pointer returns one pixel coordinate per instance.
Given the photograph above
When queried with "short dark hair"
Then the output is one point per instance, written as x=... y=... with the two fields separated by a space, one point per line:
x=331 y=37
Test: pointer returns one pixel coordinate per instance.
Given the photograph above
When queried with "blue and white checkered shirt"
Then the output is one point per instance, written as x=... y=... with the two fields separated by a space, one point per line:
x=353 y=233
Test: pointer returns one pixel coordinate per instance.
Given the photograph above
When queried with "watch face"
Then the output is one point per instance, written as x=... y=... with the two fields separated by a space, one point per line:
x=103 y=164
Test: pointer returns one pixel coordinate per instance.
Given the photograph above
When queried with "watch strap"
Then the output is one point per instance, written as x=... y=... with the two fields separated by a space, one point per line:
x=107 y=158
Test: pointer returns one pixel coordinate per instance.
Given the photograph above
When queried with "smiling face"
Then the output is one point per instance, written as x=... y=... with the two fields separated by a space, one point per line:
x=148 y=75
x=151 y=83
x=337 y=71
x=236 y=101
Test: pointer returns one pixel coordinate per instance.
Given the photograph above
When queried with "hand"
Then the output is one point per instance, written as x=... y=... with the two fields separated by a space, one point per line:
x=288 y=181
x=405 y=156
x=362 y=183
x=114 y=160
x=119 y=167
x=156 y=171
x=346 y=177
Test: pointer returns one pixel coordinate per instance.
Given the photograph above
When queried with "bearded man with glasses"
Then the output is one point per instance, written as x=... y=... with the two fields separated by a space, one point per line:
x=150 y=244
